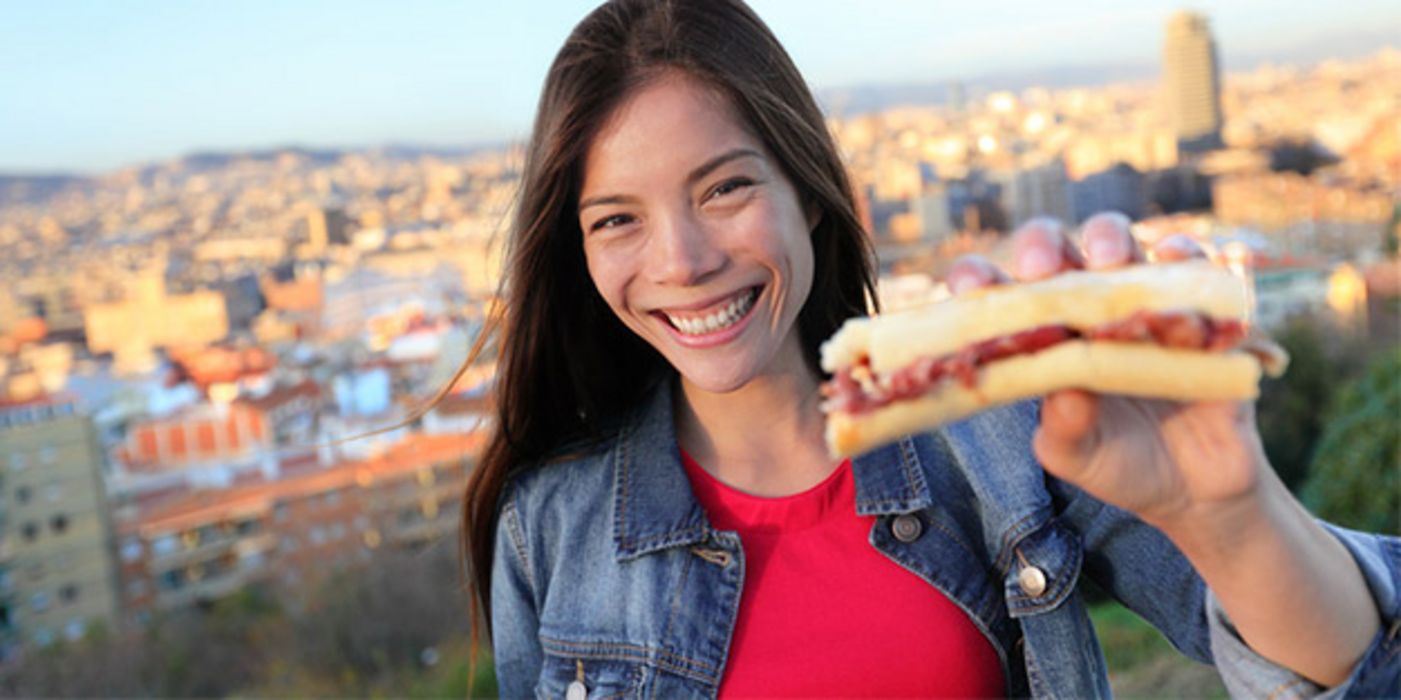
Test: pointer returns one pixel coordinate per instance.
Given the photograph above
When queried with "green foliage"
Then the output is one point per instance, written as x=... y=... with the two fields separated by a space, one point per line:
x=1289 y=411
x=1356 y=472
x=360 y=633
x=1142 y=663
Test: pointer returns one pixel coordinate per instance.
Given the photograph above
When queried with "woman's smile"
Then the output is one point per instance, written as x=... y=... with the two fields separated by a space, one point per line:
x=701 y=321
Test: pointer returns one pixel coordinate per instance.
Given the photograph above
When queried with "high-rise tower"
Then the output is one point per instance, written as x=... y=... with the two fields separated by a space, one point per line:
x=1192 y=80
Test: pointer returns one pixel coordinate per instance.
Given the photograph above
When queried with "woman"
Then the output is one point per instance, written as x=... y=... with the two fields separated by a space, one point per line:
x=657 y=514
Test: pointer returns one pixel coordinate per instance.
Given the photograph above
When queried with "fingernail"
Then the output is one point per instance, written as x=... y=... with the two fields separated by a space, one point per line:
x=959 y=284
x=1038 y=262
x=1107 y=249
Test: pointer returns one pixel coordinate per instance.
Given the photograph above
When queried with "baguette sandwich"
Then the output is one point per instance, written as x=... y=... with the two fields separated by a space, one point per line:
x=1170 y=331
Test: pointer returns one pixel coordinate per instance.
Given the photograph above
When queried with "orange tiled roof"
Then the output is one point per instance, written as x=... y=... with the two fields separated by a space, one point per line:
x=207 y=507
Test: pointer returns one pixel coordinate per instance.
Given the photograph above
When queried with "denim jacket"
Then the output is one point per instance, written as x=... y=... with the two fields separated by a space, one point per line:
x=608 y=572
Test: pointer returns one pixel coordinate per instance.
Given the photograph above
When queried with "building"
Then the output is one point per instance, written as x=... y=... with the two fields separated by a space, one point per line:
x=204 y=446
x=149 y=319
x=1192 y=82
x=932 y=209
x=1042 y=190
x=327 y=226
x=57 y=573
x=291 y=532
x=1120 y=188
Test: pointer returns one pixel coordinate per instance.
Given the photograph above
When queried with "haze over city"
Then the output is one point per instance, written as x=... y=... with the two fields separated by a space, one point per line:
x=107 y=85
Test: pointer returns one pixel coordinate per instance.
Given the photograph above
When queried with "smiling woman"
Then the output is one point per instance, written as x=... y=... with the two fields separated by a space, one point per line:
x=657 y=514
x=706 y=243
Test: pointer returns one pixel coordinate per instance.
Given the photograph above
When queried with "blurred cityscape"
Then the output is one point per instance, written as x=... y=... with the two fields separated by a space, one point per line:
x=185 y=347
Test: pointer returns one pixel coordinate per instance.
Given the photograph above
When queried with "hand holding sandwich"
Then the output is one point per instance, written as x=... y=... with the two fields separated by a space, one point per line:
x=1196 y=471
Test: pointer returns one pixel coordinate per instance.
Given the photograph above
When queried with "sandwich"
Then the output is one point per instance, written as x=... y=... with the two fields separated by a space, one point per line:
x=1174 y=331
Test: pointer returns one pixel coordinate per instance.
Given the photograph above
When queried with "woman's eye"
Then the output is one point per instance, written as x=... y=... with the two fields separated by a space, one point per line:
x=729 y=186
x=610 y=222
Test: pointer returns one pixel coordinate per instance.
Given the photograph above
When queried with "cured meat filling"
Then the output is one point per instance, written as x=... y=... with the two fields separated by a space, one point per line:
x=857 y=390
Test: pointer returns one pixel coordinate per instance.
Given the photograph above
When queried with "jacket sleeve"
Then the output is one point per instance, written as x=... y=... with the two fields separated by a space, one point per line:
x=514 y=617
x=1141 y=568
x=1377 y=674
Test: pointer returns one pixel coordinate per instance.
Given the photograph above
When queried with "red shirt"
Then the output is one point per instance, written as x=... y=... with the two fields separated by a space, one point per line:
x=825 y=614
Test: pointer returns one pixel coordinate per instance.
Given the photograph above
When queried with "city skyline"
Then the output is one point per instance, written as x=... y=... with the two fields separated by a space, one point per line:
x=117 y=88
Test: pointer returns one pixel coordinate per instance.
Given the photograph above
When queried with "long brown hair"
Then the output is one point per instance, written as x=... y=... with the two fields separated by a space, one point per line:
x=568 y=370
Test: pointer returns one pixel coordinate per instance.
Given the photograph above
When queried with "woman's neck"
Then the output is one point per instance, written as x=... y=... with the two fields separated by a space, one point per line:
x=765 y=438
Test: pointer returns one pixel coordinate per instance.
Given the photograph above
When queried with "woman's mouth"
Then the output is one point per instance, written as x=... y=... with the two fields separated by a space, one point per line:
x=715 y=318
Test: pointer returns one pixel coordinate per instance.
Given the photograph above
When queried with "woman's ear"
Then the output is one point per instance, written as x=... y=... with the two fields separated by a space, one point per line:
x=813 y=211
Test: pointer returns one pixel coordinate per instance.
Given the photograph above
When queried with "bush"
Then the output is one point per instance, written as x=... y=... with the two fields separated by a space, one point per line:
x=1355 y=478
x=1289 y=411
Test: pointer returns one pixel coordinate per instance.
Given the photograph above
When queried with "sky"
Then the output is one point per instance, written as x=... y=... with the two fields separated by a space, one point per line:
x=88 y=86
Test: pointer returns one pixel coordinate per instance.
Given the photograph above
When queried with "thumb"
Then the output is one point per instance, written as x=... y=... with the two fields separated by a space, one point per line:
x=1064 y=441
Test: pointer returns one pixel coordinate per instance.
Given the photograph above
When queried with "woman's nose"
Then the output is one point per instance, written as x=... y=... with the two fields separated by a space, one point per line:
x=681 y=253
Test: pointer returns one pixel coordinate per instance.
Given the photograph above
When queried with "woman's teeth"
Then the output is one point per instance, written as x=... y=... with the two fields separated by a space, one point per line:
x=718 y=320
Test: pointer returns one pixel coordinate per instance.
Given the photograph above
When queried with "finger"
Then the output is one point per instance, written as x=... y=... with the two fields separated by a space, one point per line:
x=971 y=272
x=1108 y=241
x=1065 y=438
x=1177 y=247
x=1041 y=248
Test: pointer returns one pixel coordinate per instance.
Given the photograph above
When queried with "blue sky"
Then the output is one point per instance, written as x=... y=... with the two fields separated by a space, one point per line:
x=89 y=86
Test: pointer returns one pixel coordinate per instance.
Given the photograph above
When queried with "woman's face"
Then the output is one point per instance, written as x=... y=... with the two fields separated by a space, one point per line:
x=694 y=236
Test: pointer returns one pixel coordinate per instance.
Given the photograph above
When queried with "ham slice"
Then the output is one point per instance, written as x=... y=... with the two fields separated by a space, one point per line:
x=856 y=389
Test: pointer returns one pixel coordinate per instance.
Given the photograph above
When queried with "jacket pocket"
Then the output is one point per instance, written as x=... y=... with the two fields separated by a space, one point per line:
x=594 y=677
x=1044 y=569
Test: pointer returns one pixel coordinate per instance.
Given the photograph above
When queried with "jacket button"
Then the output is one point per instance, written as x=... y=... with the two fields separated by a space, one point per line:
x=1032 y=580
x=906 y=528
x=576 y=691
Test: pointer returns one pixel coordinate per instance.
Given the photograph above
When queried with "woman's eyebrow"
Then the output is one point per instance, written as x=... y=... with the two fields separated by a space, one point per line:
x=710 y=166
x=700 y=172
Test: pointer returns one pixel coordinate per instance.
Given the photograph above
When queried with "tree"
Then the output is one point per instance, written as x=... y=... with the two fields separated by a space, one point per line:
x=1355 y=479
x=1290 y=408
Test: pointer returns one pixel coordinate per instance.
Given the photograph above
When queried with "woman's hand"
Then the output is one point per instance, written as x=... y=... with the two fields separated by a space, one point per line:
x=1197 y=472
x=1162 y=460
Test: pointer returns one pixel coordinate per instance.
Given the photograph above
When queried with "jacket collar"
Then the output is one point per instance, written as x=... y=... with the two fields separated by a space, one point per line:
x=654 y=508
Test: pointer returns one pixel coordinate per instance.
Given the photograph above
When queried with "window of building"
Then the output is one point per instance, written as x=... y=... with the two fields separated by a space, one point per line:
x=131 y=549
x=48 y=455
x=68 y=593
x=164 y=545
x=289 y=543
x=22 y=494
x=74 y=629
x=135 y=588
x=18 y=461
x=279 y=512
x=333 y=497
x=39 y=601
x=59 y=523
x=172 y=580
x=53 y=493
x=246 y=527
x=43 y=637
x=316 y=535
x=30 y=531
x=337 y=531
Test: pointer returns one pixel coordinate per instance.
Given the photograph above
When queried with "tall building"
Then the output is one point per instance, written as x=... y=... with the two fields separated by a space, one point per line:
x=1192 y=81
x=57 y=571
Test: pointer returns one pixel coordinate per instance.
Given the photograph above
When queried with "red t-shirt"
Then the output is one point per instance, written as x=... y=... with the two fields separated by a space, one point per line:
x=825 y=614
